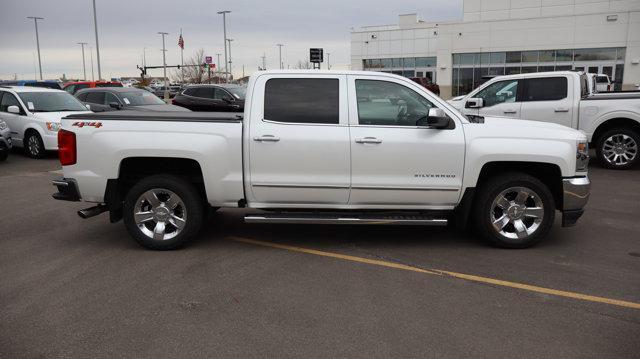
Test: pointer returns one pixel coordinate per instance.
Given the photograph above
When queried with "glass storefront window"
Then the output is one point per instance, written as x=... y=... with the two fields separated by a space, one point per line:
x=529 y=69
x=409 y=62
x=594 y=54
x=498 y=57
x=512 y=70
x=530 y=56
x=386 y=63
x=396 y=62
x=456 y=59
x=563 y=68
x=409 y=73
x=466 y=59
x=426 y=61
x=513 y=57
x=621 y=53
x=485 y=58
x=564 y=55
x=545 y=68
x=547 y=56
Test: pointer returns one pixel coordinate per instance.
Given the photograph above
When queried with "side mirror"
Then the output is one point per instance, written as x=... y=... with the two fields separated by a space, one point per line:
x=227 y=98
x=13 y=109
x=436 y=119
x=115 y=105
x=474 y=103
x=87 y=106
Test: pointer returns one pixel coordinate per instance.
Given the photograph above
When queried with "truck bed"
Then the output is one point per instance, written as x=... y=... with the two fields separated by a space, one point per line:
x=160 y=116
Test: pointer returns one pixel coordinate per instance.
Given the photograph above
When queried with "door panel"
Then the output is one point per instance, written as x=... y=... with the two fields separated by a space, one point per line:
x=299 y=141
x=400 y=164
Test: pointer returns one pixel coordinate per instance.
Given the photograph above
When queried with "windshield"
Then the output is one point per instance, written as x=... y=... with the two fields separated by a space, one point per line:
x=109 y=84
x=138 y=98
x=237 y=92
x=51 y=102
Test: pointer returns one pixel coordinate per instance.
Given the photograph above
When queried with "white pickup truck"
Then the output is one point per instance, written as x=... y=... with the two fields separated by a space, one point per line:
x=611 y=121
x=325 y=147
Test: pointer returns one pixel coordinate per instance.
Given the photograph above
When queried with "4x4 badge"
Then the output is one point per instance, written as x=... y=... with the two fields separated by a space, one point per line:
x=85 y=123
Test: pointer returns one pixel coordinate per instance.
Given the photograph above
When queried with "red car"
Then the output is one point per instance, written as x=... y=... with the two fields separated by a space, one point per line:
x=426 y=83
x=73 y=87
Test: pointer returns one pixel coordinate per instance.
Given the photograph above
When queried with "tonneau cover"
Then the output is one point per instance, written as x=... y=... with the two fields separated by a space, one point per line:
x=159 y=116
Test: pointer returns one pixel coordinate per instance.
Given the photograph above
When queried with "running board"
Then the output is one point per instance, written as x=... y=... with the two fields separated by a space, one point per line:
x=299 y=218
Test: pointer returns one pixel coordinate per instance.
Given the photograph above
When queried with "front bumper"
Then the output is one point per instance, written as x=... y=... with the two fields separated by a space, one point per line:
x=67 y=189
x=575 y=192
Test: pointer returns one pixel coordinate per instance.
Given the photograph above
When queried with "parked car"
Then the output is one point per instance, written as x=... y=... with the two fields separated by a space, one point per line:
x=159 y=91
x=426 y=83
x=33 y=83
x=611 y=121
x=73 y=87
x=223 y=98
x=123 y=98
x=603 y=83
x=33 y=115
x=5 y=141
x=325 y=147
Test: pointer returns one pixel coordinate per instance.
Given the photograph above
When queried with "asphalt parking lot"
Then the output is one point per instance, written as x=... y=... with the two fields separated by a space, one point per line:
x=82 y=288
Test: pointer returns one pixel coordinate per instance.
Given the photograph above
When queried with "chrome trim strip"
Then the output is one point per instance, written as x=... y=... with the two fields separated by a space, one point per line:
x=282 y=185
x=345 y=220
x=576 y=193
x=339 y=124
x=59 y=183
x=405 y=188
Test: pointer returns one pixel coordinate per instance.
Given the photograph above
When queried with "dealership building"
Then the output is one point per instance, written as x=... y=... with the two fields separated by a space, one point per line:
x=498 y=37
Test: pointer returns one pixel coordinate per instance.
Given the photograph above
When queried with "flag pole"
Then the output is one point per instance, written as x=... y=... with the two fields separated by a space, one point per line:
x=182 y=56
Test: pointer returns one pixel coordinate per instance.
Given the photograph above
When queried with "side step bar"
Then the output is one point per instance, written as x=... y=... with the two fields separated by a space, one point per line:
x=303 y=218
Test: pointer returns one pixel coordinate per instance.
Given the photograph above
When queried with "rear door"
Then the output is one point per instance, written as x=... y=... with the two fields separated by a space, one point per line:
x=548 y=99
x=299 y=141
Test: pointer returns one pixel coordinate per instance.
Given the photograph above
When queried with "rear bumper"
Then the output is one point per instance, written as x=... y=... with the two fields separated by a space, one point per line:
x=67 y=190
x=575 y=193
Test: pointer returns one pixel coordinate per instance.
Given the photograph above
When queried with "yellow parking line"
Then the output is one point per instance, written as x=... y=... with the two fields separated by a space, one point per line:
x=468 y=277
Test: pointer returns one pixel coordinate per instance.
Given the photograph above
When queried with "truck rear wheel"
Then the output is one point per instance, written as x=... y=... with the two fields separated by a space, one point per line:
x=618 y=148
x=163 y=212
x=514 y=210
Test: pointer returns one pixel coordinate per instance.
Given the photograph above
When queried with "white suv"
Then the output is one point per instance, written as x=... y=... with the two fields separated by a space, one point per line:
x=33 y=115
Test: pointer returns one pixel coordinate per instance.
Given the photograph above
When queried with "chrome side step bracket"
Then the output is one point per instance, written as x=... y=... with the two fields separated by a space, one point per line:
x=297 y=218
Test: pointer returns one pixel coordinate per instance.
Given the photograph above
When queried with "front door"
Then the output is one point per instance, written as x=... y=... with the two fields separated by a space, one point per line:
x=395 y=161
x=299 y=141
x=17 y=122
x=500 y=99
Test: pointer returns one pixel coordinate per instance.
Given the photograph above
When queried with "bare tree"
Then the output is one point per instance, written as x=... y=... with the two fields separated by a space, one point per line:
x=303 y=65
x=194 y=73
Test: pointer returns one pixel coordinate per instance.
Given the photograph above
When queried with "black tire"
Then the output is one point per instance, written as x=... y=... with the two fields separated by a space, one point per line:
x=193 y=211
x=484 y=209
x=4 y=152
x=35 y=150
x=617 y=133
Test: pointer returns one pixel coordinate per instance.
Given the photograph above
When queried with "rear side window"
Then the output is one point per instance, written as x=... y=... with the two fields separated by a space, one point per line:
x=95 y=97
x=82 y=97
x=8 y=100
x=204 y=92
x=302 y=100
x=545 y=89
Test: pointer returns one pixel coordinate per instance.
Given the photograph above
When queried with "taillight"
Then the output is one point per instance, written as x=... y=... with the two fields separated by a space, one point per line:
x=67 y=147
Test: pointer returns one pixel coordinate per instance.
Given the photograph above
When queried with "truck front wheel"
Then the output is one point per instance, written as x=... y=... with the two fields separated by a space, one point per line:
x=514 y=210
x=618 y=148
x=163 y=212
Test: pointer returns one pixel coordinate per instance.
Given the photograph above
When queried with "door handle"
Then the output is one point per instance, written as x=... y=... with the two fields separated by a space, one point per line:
x=561 y=109
x=509 y=111
x=267 y=138
x=368 y=140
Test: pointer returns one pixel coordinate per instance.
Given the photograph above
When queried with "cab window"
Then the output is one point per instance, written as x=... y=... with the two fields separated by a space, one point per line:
x=499 y=92
x=545 y=89
x=383 y=103
x=8 y=100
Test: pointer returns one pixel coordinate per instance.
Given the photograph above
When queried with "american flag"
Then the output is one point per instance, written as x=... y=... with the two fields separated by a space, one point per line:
x=181 y=42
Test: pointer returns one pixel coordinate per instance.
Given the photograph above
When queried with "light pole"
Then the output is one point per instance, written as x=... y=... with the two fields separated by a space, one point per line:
x=280 y=55
x=84 y=67
x=219 y=68
x=144 y=56
x=264 y=62
x=93 y=78
x=230 y=75
x=224 y=28
x=35 y=21
x=328 y=61
x=164 y=65
x=95 y=26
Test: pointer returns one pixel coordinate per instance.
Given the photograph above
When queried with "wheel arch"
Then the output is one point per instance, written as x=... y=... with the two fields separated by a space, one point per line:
x=616 y=122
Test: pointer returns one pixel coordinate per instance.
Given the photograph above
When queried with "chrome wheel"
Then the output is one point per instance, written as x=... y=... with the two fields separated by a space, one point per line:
x=160 y=214
x=33 y=144
x=619 y=149
x=517 y=212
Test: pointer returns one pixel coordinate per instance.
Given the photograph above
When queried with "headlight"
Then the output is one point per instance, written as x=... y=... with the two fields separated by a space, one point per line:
x=582 y=156
x=53 y=126
x=3 y=125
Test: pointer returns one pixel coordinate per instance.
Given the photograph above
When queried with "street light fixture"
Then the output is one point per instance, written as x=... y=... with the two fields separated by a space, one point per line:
x=224 y=27
x=280 y=55
x=230 y=74
x=84 y=67
x=164 y=65
x=35 y=21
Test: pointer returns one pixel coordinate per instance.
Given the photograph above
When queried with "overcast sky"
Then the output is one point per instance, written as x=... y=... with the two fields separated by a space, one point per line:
x=127 y=26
